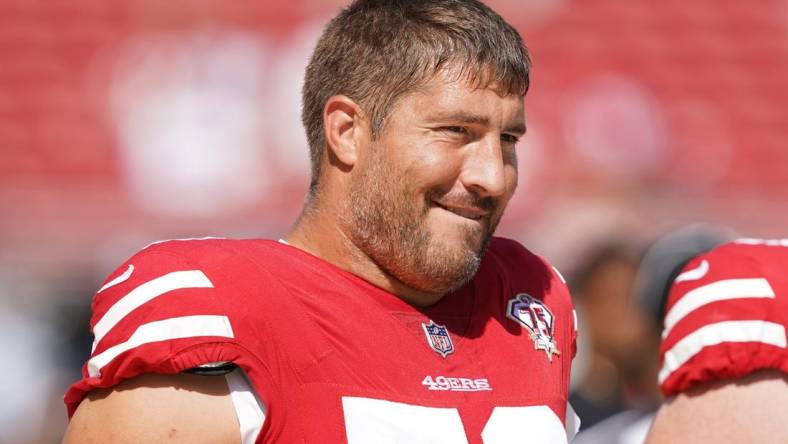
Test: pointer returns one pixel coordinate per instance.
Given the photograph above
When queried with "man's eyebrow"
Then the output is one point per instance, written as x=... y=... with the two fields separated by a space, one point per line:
x=517 y=128
x=461 y=116
x=468 y=117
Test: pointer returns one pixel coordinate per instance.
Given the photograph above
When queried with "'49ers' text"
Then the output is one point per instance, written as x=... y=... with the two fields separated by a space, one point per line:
x=456 y=384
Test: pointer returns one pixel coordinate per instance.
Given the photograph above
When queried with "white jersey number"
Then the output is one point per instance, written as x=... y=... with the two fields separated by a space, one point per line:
x=386 y=422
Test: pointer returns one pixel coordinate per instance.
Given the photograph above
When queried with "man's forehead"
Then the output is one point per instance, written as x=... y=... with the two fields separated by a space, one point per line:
x=447 y=97
x=473 y=78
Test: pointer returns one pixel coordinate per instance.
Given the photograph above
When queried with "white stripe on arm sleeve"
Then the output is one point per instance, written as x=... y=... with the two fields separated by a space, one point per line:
x=572 y=423
x=724 y=290
x=145 y=293
x=164 y=330
x=764 y=332
x=249 y=409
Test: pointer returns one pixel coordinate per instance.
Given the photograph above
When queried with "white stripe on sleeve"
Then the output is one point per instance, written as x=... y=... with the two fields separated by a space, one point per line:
x=146 y=292
x=248 y=407
x=716 y=291
x=728 y=331
x=572 y=422
x=693 y=275
x=173 y=328
x=118 y=280
x=560 y=276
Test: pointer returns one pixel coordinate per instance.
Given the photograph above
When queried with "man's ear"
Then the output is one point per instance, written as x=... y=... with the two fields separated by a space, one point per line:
x=343 y=120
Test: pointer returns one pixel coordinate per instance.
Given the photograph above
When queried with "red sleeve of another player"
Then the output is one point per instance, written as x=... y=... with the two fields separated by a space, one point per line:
x=157 y=313
x=726 y=317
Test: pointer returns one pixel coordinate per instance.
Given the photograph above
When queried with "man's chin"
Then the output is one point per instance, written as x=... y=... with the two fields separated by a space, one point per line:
x=452 y=266
x=471 y=240
x=476 y=245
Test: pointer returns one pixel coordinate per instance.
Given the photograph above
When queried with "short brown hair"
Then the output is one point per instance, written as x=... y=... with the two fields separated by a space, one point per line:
x=374 y=51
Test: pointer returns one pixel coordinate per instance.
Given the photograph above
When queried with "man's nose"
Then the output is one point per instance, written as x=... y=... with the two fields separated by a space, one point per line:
x=484 y=170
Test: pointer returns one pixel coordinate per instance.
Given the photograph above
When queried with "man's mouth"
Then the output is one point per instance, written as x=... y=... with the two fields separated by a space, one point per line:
x=468 y=212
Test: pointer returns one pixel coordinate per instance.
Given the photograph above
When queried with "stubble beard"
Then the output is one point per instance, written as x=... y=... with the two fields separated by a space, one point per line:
x=387 y=224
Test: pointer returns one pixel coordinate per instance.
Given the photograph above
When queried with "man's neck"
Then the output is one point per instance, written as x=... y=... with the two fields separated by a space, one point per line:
x=318 y=233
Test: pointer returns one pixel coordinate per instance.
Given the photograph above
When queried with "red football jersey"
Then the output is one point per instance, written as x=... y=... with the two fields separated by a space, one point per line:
x=336 y=359
x=726 y=315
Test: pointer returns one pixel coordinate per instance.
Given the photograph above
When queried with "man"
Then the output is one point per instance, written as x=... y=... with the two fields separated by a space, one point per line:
x=388 y=313
x=723 y=353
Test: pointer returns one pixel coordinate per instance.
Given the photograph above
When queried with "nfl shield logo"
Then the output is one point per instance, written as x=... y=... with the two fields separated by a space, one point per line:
x=537 y=319
x=438 y=338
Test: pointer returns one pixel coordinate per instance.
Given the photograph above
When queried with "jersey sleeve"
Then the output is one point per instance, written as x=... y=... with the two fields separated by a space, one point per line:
x=726 y=317
x=157 y=313
x=564 y=288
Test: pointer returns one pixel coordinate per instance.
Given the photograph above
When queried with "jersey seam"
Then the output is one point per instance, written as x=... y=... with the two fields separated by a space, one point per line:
x=300 y=313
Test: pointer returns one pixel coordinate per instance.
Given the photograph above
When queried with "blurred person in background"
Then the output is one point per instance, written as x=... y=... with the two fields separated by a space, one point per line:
x=647 y=289
x=383 y=314
x=724 y=357
x=611 y=352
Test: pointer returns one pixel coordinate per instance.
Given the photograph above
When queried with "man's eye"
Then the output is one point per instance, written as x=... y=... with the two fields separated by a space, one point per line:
x=508 y=138
x=455 y=129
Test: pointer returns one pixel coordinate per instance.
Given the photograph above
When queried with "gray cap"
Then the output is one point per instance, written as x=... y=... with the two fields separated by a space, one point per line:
x=665 y=258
